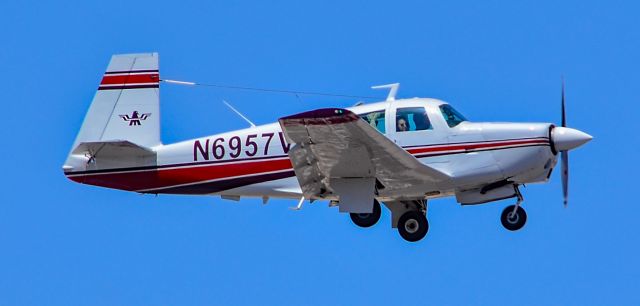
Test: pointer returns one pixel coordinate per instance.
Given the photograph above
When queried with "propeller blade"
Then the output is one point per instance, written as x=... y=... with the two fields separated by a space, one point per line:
x=564 y=117
x=564 y=156
x=564 y=160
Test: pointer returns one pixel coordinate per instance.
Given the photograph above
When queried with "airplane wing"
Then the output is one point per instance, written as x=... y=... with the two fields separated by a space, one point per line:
x=337 y=153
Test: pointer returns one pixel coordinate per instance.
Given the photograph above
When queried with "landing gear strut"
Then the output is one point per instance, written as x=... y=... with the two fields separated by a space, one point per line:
x=367 y=220
x=514 y=217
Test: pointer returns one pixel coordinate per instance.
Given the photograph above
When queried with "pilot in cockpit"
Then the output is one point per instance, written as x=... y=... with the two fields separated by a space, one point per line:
x=402 y=124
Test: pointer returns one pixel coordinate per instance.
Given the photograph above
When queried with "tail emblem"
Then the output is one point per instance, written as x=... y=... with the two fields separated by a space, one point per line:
x=135 y=118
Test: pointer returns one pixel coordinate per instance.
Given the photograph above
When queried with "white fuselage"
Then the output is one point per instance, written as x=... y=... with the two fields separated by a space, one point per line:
x=253 y=162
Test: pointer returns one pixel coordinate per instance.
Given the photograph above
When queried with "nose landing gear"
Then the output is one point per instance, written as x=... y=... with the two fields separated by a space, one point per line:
x=514 y=217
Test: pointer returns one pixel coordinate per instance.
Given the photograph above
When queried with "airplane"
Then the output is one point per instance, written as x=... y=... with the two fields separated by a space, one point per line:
x=400 y=153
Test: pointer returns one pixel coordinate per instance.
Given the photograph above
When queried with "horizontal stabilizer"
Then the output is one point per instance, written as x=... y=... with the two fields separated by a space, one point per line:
x=114 y=148
x=102 y=155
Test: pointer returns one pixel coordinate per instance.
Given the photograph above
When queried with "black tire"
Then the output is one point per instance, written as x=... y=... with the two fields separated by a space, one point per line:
x=367 y=220
x=413 y=226
x=513 y=222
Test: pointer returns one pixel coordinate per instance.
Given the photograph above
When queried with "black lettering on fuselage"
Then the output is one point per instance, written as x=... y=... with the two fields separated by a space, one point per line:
x=235 y=144
x=285 y=146
x=204 y=152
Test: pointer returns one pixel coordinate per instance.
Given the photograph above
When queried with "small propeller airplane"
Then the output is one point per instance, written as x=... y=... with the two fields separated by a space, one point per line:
x=399 y=153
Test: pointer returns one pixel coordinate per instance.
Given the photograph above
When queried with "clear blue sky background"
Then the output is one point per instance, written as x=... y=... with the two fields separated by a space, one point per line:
x=63 y=243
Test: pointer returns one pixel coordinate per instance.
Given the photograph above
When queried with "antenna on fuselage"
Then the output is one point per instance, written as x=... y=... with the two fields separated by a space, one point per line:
x=393 y=90
x=239 y=113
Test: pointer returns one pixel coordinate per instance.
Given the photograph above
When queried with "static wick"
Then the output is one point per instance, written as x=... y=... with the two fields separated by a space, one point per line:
x=180 y=82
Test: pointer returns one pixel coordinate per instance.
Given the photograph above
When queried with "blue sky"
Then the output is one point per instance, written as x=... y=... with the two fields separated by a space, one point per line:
x=63 y=243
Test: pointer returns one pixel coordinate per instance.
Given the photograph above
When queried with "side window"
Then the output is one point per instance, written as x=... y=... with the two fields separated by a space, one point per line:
x=375 y=119
x=412 y=119
x=450 y=115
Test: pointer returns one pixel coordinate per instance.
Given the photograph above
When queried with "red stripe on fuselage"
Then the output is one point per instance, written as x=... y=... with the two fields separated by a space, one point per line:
x=476 y=146
x=130 y=79
x=161 y=178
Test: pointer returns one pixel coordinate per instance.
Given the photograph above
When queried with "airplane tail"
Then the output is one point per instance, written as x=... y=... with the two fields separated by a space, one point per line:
x=124 y=113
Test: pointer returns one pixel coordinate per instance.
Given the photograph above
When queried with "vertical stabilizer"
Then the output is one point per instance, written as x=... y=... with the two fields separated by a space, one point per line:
x=125 y=112
x=127 y=104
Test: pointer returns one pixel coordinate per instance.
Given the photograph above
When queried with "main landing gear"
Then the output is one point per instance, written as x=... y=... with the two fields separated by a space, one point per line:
x=367 y=220
x=413 y=226
x=514 y=217
x=410 y=217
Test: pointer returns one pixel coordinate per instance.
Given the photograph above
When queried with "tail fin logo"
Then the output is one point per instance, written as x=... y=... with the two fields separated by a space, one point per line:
x=135 y=118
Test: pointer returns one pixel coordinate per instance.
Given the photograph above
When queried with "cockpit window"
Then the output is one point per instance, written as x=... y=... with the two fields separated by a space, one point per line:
x=375 y=119
x=412 y=119
x=450 y=115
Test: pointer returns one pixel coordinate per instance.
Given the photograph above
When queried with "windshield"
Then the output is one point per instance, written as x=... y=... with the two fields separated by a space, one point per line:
x=450 y=115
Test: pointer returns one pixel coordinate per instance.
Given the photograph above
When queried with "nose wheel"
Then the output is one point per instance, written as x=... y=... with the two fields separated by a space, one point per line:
x=514 y=217
x=413 y=226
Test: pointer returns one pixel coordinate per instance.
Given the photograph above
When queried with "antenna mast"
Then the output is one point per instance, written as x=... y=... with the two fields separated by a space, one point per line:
x=239 y=113
x=393 y=90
